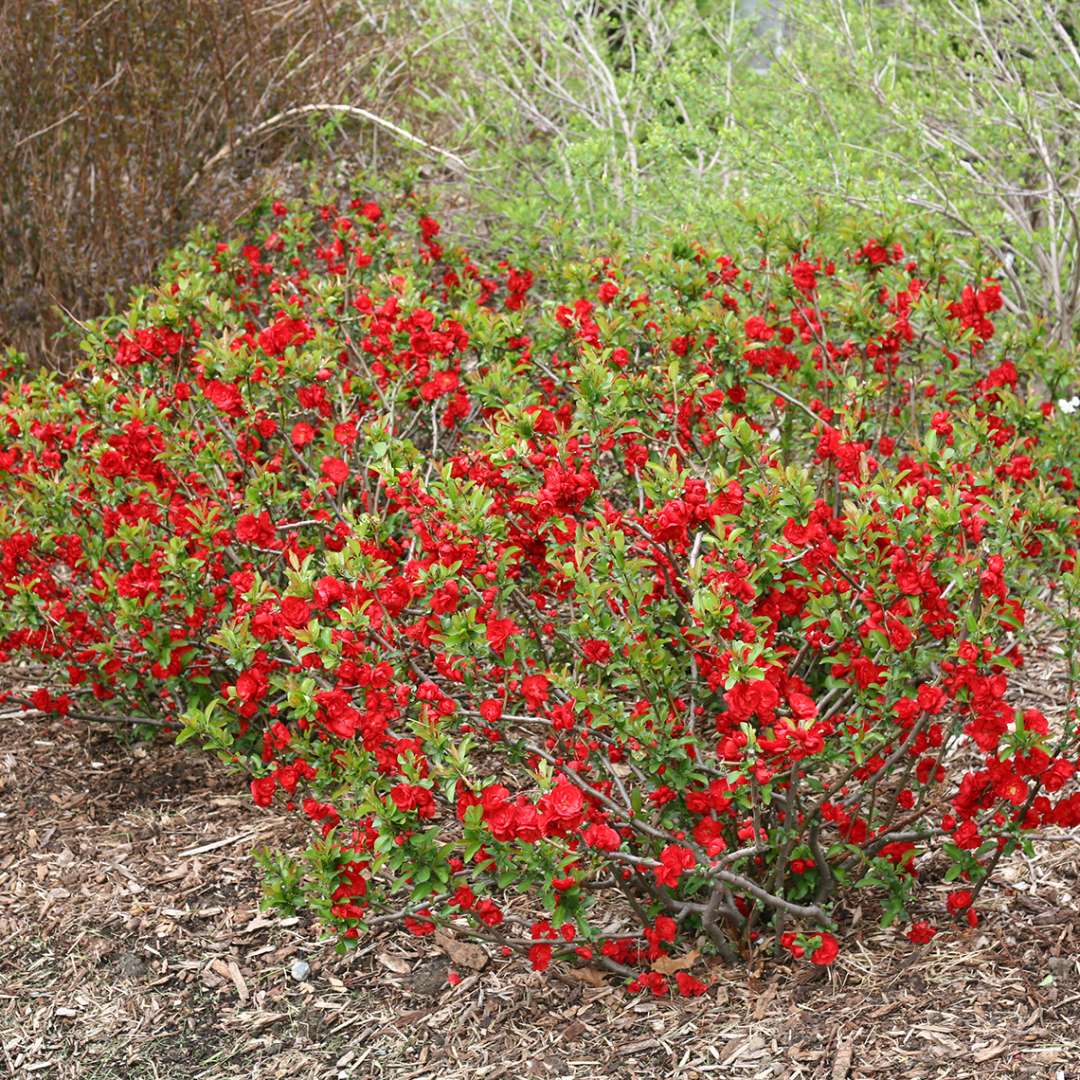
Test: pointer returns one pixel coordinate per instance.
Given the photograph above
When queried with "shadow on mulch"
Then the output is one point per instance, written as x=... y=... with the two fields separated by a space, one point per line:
x=132 y=947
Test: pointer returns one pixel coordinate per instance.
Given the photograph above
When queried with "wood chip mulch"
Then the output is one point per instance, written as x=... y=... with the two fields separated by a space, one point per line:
x=132 y=948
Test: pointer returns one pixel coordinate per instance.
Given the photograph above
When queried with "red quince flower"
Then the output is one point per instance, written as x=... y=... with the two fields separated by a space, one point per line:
x=335 y=470
x=826 y=952
x=921 y=932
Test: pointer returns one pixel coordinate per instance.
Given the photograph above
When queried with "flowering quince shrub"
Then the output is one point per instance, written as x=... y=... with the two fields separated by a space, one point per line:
x=633 y=625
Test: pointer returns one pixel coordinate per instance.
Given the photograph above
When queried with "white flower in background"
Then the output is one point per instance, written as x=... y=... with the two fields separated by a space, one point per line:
x=1069 y=405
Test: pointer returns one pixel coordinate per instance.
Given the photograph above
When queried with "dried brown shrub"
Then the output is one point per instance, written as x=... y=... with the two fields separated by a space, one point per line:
x=124 y=122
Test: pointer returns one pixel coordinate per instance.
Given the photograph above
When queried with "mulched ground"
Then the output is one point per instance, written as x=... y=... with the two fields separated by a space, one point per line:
x=132 y=948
